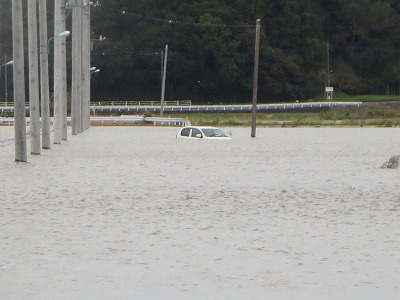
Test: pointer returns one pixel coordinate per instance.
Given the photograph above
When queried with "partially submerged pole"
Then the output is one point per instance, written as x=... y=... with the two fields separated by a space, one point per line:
x=63 y=78
x=163 y=81
x=255 y=80
x=19 y=82
x=76 y=105
x=5 y=79
x=86 y=65
x=44 y=75
x=57 y=120
x=34 y=102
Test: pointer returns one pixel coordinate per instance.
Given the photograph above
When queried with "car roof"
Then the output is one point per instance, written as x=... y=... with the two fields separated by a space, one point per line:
x=200 y=127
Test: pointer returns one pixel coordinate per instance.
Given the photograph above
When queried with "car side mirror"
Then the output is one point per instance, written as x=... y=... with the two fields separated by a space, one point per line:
x=199 y=135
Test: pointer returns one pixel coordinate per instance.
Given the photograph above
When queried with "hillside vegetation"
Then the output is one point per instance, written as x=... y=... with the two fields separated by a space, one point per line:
x=211 y=48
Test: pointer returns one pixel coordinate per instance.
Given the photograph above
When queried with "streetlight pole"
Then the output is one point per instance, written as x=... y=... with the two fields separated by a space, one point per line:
x=57 y=79
x=19 y=82
x=5 y=65
x=86 y=65
x=59 y=39
x=255 y=80
x=44 y=75
x=5 y=78
x=163 y=81
x=76 y=105
x=34 y=104
x=63 y=76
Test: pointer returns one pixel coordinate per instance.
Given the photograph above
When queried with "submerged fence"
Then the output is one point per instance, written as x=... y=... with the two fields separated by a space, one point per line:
x=292 y=107
x=129 y=107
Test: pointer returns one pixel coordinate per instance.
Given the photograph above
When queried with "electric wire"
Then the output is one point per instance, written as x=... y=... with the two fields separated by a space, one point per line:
x=170 y=21
x=279 y=66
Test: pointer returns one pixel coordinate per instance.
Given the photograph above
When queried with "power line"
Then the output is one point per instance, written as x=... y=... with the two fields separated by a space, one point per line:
x=176 y=22
x=174 y=53
x=279 y=66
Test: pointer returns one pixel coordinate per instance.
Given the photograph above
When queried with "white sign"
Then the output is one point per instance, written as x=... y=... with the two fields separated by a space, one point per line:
x=329 y=89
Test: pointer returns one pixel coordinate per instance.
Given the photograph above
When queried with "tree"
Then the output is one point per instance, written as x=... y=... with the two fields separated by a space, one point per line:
x=211 y=45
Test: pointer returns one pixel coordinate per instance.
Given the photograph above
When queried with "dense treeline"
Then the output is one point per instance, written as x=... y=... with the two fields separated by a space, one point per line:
x=211 y=48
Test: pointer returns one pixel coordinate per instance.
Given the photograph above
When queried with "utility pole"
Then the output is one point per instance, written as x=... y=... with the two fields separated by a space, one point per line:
x=74 y=82
x=19 y=82
x=76 y=106
x=63 y=76
x=34 y=104
x=255 y=80
x=57 y=120
x=44 y=75
x=328 y=88
x=162 y=69
x=328 y=62
x=163 y=81
x=86 y=65
x=5 y=79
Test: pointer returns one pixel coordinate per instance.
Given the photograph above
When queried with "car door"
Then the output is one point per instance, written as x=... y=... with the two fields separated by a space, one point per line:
x=185 y=133
x=196 y=133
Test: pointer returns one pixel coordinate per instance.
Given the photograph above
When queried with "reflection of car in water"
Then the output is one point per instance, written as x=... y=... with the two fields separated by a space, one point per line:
x=200 y=132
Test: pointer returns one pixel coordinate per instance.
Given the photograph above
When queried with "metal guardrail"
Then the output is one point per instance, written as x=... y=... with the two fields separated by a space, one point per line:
x=10 y=104
x=142 y=103
x=7 y=121
x=125 y=107
x=129 y=120
x=122 y=120
x=314 y=106
x=122 y=103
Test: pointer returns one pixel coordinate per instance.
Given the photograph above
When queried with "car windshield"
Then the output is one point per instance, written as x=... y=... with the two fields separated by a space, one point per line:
x=214 y=132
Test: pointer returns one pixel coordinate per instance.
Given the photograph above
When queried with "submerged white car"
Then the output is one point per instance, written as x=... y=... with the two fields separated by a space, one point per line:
x=202 y=132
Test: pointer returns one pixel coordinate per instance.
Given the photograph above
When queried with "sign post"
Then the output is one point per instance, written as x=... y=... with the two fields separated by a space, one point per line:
x=329 y=93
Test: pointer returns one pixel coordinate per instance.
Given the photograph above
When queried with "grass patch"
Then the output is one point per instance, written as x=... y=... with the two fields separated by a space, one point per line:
x=372 y=98
x=343 y=97
x=379 y=117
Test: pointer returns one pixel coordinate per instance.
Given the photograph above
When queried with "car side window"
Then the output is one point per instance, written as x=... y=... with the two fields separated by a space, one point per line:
x=196 y=132
x=185 y=132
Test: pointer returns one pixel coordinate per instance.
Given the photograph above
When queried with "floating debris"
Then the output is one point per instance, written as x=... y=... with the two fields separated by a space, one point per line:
x=392 y=163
